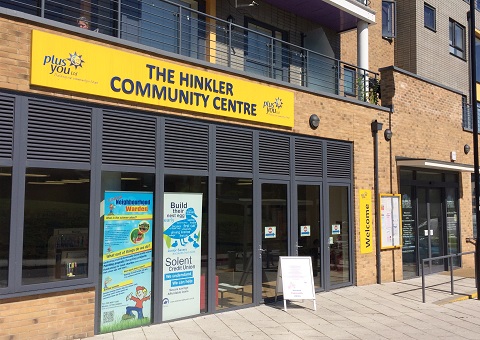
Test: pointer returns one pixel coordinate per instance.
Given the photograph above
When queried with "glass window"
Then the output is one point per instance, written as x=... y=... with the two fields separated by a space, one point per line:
x=25 y=6
x=429 y=16
x=388 y=19
x=195 y=184
x=56 y=225
x=126 y=239
x=457 y=39
x=234 y=241
x=349 y=81
x=477 y=57
x=339 y=234
x=5 y=204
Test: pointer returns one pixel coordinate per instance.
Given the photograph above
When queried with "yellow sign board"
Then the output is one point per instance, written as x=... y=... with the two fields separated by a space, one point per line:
x=73 y=65
x=366 y=239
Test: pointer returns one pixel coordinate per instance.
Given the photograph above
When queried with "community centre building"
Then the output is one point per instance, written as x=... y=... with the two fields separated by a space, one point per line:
x=159 y=158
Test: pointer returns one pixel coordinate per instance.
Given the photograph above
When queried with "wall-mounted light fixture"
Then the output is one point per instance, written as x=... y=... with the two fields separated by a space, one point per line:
x=388 y=135
x=466 y=149
x=314 y=121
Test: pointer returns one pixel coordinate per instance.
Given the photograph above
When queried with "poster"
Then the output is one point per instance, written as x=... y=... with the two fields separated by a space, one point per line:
x=366 y=232
x=182 y=225
x=127 y=260
x=295 y=279
x=390 y=222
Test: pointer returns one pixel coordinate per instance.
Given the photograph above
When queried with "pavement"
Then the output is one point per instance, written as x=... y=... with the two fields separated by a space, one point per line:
x=379 y=311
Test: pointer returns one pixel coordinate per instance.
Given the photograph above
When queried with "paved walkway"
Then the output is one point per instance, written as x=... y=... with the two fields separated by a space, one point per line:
x=386 y=311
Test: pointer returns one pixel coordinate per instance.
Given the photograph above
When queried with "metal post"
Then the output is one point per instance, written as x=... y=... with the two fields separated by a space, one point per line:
x=376 y=126
x=451 y=274
x=473 y=100
x=423 y=284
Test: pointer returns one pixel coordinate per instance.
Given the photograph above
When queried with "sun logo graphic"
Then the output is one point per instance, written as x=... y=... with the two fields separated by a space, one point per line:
x=273 y=106
x=76 y=60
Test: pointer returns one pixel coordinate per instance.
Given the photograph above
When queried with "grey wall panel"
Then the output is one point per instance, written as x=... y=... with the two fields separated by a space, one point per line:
x=58 y=131
x=308 y=157
x=274 y=154
x=186 y=144
x=234 y=149
x=128 y=139
x=339 y=161
x=7 y=106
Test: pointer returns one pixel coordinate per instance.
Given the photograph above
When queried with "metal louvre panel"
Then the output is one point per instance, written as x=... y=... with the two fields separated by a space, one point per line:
x=128 y=139
x=274 y=154
x=308 y=157
x=58 y=131
x=186 y=145
x=339 y=163
x=7 y=107
x=234 y=150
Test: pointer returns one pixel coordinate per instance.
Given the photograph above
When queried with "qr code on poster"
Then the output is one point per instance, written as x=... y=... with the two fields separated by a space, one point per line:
x=108 y=316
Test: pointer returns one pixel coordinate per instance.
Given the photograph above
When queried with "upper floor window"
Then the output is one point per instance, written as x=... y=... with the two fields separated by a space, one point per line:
x=429 y=16
x=388 y=19
x=457 y=39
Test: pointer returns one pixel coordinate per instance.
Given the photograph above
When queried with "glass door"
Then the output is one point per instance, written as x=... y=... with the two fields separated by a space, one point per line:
x=338 y=237
x=430 y=227
x=274 y=234
x=308 y=228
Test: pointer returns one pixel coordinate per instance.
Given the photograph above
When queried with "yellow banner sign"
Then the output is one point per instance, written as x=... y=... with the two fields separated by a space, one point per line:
x=366 y=239
x=78 y=66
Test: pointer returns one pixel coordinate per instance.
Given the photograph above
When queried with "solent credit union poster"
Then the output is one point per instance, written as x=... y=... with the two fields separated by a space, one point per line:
x=127 y=260
x=182 y=227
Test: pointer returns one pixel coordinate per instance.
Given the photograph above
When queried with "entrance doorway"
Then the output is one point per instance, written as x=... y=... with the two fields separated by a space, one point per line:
x=430 y=227
x=274 y=228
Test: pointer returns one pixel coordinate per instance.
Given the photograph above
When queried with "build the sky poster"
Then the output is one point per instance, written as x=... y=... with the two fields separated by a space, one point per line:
x=127 y=260
x=182 y=227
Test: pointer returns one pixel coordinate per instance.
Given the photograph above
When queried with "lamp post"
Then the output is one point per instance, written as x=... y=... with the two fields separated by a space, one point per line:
x=473 y=100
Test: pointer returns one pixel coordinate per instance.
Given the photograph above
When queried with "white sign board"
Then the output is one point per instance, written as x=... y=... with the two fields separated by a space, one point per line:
x=295 y=279
x=390 y=222
x=182 y=224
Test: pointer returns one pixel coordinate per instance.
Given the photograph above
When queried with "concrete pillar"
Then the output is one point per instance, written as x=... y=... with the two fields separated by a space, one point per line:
x=362 y=57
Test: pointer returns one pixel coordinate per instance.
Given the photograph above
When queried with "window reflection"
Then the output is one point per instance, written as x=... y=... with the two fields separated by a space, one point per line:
x=234 y=242
x=5 y=204
x=55 y=238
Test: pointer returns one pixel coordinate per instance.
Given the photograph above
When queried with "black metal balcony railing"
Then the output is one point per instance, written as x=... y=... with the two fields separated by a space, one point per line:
x=177 y=29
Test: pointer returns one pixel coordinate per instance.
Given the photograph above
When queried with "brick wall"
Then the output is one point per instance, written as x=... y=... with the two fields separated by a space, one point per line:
x=63 y=315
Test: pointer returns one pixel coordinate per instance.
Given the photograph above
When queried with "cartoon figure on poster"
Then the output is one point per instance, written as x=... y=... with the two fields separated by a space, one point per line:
x=127 y=260
x=139 y=299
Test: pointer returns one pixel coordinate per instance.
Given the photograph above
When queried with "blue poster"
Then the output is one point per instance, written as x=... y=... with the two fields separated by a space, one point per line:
x=127 y=260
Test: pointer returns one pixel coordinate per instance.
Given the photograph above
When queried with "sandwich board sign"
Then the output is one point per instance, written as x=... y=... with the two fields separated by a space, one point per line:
x=295 y=279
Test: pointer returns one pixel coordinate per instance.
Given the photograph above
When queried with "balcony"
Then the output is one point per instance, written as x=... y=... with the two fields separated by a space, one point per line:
x=180 y=30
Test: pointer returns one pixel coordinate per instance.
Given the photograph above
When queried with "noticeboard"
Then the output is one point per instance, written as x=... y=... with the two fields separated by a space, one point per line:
x=390 y=221
x=295 y=279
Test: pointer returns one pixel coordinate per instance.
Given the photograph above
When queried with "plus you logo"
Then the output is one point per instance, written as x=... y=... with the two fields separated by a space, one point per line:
x=64 y=66
x=273 y=107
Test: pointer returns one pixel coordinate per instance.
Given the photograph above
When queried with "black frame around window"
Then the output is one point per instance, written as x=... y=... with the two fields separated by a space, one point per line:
x=389 y=11
x=457 y=39
x=429 y=17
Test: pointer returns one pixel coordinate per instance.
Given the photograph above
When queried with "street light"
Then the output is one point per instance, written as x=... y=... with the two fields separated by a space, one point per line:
x=473 y=100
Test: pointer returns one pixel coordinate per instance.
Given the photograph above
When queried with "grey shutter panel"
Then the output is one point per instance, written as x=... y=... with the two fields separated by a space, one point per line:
x=339 y=163
x=186 y=145
x=128 y=139
x=274 y=154
x=308 y=157
x=7 y=108
x=58 y=131
x=234 y=149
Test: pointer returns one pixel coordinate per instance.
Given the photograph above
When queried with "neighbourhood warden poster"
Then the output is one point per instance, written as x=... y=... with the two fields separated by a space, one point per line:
x=182 y=227
x=127 y=260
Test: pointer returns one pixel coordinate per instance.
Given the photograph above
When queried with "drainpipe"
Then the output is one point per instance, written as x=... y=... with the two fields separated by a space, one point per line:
x=473 y=100
x=376 y=126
